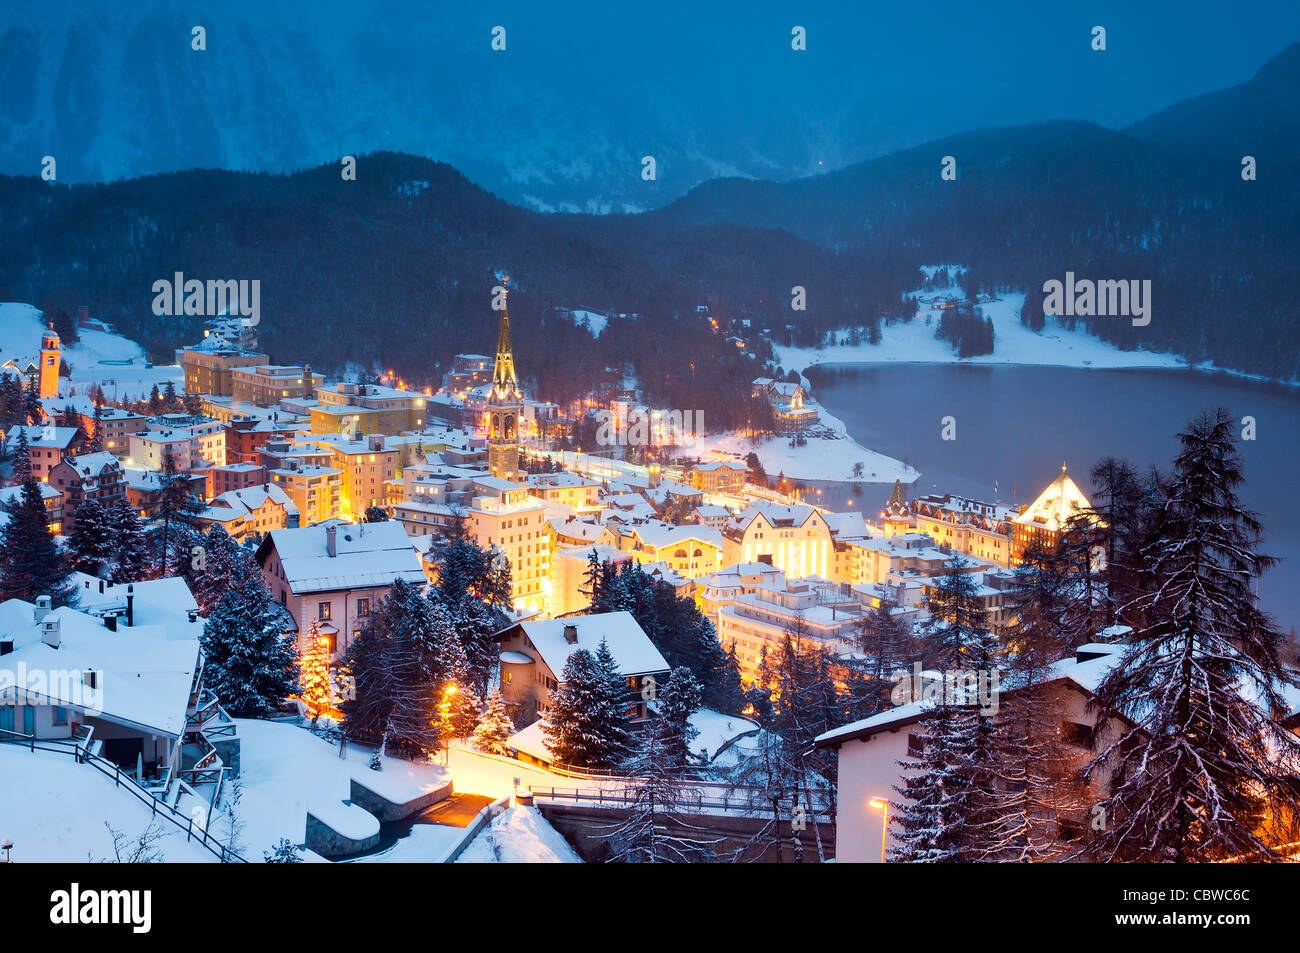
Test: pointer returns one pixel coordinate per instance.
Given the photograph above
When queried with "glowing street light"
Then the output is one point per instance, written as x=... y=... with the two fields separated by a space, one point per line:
x=881 y=805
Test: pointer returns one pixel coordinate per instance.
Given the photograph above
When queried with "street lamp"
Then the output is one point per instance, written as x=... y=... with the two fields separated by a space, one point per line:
x=881 y=805
x=445 y=710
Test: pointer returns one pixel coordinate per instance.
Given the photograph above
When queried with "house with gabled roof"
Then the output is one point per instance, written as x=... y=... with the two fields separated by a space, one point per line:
x=534 y=652
x=91 y=476
x=334 y=574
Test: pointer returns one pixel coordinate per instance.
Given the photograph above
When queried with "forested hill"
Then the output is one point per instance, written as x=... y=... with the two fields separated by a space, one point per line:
x=396 y=269
x=1032 y=202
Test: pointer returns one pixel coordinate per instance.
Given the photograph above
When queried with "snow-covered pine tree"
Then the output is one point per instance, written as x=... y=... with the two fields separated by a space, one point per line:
x=225 y=563
x=677 y=699
x=888 y=644
x=314 y=676
x=727 y=691
x=592 y=579
x=131 y=544
x=175 y=519
x=494 y=726
x=30 y=562
x=285 y=852
x=95 y=442
x=937 y=816
x=957 y=636
x=1204 y=770
x=583 y=725
x=249 y=662
x=22 y=459
x=90 y=543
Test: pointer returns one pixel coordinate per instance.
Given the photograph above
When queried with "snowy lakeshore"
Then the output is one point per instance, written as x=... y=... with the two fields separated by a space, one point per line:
x=913 y=342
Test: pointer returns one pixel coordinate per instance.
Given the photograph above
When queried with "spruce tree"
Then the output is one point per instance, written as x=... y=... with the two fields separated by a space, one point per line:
x=249 y=662
x=131 y=544
x=494 y=726
x=175 y=518
x=934 y=820
x=677 y=700
x=30 y=562
x=1204 y=769
x=650 y=831
x=584 y=724
x=22 y=459
x=90 y=543
x=957 y=636
x=314 y=676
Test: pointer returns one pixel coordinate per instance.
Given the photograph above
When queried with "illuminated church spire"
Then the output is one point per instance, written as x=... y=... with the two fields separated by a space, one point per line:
x=505 y=386
x=505 y=404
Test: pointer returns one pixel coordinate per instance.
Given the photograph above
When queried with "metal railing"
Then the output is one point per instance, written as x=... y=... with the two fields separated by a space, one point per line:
x=127 y=782
x=685 y=800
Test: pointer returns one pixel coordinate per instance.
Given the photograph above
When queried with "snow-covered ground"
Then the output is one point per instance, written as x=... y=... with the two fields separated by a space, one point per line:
x=54 y=810
x=829 y=454
x=1013 y=343
x=594 y=321
x=20 y=338
x=286 y=771
x=520 y=835
x=716 y=730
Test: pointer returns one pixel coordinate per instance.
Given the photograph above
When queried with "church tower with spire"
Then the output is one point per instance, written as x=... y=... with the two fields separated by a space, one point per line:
x=897 y=515
x=505 y=405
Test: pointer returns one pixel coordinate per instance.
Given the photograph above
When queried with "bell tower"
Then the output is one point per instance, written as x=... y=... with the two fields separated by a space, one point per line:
x=505 y=406
x=50 y=353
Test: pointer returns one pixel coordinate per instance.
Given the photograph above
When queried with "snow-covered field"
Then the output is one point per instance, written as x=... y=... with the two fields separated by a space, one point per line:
x=831 y=456
x=54 y=810
x=1013 y=343
x=520 y=835
x=20 y=338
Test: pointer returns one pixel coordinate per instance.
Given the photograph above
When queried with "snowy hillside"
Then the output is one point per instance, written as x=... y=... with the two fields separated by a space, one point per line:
x=1013 y=343
x=115 y=363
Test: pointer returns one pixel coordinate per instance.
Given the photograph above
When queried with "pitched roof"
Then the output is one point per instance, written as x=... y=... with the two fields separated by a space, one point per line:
x=1055 y=505
x=368 y=554
x=632 y=649
x=146 y=673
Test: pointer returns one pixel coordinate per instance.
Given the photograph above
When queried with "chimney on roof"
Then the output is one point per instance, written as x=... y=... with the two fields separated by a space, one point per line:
x=42 y=607
x=331 y=540
x=571 y=634
x=50 y=632
x=130 y=605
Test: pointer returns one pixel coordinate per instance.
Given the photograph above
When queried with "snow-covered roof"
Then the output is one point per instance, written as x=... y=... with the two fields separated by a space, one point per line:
x=146 y=676
x=1098 y=660
x=664 y=535
x=11 y=494
x=722 y=465
x=235 y=504
x=1055 y=505
x=367 y=554
x=165 y=602
x=45 y=437
x=93 y=464
x=632 y=649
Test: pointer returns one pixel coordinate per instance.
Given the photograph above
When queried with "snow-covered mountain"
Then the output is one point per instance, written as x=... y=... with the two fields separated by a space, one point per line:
x=114 y=90
x=563 y=117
